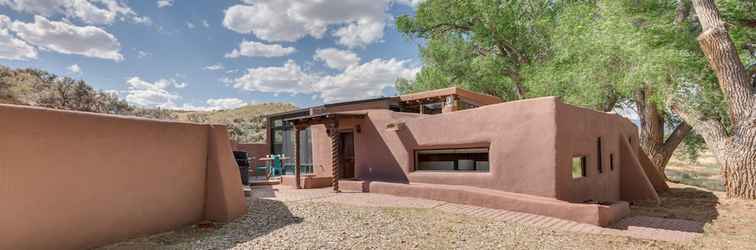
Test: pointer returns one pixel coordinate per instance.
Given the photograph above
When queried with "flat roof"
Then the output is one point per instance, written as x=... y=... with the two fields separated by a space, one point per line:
x=483 y=99
x=480 y=98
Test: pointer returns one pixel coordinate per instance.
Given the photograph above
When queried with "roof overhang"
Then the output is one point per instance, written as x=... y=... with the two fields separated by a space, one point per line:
x=324 y=118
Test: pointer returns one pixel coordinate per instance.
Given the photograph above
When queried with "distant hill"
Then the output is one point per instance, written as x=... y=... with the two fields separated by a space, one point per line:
x=40 y=88
x=245 y=124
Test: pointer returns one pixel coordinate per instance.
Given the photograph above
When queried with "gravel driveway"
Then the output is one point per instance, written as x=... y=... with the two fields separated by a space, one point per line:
x=315 y=220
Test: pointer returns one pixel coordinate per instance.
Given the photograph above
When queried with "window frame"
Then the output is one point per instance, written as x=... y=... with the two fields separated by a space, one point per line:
x=416 y=160
x=583 y=166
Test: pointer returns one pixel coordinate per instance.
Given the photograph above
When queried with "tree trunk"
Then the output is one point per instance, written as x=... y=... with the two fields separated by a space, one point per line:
x=739 y=171
x=735 y=152
x=652 y=136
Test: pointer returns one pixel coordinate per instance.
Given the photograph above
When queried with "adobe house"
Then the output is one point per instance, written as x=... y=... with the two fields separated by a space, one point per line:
x=538 y=155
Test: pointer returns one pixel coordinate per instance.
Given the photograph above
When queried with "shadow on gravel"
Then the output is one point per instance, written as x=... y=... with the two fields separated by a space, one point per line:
x=263 y=217
x=682 y=209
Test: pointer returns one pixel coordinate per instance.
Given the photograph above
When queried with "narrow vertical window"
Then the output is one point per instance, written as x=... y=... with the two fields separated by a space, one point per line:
x=578 y=167
x=599 y=158
x=611 y=162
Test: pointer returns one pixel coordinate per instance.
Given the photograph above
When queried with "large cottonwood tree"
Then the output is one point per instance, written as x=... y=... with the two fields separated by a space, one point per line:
x=598 y=54
x=732 y=138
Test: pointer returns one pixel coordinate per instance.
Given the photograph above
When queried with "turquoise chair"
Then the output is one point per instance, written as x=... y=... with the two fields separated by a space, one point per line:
x=276 y=167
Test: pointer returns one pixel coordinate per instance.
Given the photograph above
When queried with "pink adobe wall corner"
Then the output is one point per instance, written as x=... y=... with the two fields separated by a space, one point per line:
x=224 y=200
x=73 y=180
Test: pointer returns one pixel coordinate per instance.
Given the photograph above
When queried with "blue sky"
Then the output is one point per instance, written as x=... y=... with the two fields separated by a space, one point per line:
x=214 y=54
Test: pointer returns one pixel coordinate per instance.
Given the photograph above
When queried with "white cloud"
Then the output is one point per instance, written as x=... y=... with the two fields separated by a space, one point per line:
x=226 y=103
x=413 y=3
x=12 y=48
x=189 y=25
x=289 y=78
x=275 y=20
x=364 y=80
x=143 y=54
x=356 y=82
x=205 y=23
x=256 y=49
x=214 y=67
x=74 y=69
x=149 y=94
x=336 y=58
x=216 y=104
x=89 y=11
x=66 y=38
x=164 y=3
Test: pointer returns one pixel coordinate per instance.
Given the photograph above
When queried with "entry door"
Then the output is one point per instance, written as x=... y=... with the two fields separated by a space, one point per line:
x=347 y=155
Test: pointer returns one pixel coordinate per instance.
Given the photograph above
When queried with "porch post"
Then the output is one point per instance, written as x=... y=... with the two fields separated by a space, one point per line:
x=297 y=152
x=335 y=154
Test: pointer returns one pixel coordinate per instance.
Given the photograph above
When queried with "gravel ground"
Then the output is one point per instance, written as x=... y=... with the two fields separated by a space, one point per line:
x=275 y=224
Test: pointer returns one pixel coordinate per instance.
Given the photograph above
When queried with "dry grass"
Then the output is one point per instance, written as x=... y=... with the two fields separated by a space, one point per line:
x=702 y=173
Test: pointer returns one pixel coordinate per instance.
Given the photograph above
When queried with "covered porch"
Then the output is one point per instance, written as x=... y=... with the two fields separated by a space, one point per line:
x=341 y=145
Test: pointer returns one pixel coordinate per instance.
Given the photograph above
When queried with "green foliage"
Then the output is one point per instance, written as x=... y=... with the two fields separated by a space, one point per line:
x=478 y=44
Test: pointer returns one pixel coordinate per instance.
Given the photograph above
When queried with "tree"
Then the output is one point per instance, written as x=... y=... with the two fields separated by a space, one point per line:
x=731 y=137
x=480 y=44
x=602 y=55
x=627 y=55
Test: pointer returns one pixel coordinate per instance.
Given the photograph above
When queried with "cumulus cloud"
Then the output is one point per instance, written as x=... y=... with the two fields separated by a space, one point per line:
x=74 y=69
x=256 y=49
x=67 y=38
x=355 y=82
x=216 y=104
x=12 y=48
x=89 y=11
x=164 y=3
x=336 y=58
x=190 y=25
x=214 y=67
x=274 y=20
x=289 y=78
x=413 y=3
x=364 y=80
x=205 y=23
x=151 y=94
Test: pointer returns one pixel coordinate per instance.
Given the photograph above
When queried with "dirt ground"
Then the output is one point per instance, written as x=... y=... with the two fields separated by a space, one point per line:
x=306 y=224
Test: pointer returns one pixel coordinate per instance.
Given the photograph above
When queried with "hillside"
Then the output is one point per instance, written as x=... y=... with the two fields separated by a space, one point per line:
x=245 y=124
x=40 y=88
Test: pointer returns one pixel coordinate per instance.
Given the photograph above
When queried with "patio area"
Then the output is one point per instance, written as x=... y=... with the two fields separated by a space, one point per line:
x=284 y=218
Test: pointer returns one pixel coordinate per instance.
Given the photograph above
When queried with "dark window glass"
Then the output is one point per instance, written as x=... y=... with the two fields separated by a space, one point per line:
x=611 y=162
x=599 y=156
x=470 y=159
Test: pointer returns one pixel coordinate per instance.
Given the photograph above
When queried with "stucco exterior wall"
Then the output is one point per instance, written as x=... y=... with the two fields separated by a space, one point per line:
x=520 y=136
x=578 y=134
x=531 y=144
x=71 y=180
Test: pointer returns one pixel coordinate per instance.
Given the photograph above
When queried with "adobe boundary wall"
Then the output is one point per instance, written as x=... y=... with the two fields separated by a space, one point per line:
x=73 y=180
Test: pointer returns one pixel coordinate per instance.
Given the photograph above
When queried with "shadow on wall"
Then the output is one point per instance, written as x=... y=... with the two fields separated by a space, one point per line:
x=263 y=216
x=393 y=173
x=682 y=209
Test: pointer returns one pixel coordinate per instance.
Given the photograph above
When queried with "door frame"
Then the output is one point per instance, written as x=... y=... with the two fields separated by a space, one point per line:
x=354 y=148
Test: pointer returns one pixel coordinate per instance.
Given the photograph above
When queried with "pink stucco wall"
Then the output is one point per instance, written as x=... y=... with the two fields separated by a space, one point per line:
x=531 y=144
x=71 y=180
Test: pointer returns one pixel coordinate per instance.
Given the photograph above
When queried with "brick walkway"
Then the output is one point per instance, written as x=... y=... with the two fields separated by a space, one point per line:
x=641 y=227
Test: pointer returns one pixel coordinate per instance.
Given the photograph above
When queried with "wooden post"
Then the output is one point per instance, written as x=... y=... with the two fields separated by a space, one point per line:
x=297 y=153
x=335 y=154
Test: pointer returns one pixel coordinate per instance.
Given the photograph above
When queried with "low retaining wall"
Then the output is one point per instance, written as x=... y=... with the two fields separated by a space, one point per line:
x=307 y=181
x=72 y=180
x=596 y=214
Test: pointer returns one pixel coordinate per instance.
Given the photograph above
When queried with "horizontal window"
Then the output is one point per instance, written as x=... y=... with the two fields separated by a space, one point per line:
x=469 y=159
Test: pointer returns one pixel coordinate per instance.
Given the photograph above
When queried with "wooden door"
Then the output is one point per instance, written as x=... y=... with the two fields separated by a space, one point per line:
x=347 y=155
